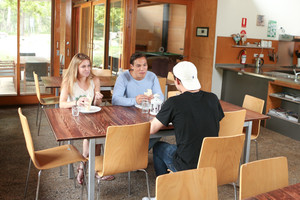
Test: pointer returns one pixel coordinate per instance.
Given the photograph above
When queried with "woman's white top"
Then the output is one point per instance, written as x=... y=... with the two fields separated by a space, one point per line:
x=78 y=91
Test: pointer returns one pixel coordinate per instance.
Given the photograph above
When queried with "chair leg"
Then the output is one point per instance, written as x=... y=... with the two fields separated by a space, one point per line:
x=28 y=173
x=40 y=120
x=256 y=149
x=235 y=191
x=38 y=185
x=129 y=184
x=84 y=181
x=147 y=181
x=37 y=114
x=98 y=189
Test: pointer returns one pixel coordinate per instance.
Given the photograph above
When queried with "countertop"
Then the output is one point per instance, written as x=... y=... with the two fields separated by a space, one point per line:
x=271 y=72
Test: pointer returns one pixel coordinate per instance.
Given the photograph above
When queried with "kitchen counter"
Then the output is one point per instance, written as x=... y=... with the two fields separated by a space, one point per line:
x=270 y=72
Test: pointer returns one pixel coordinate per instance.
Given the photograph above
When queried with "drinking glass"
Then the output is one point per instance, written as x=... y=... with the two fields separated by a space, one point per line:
x=145 y=106
x=75 y=111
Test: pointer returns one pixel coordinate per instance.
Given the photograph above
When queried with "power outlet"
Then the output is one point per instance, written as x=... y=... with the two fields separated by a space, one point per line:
x=261 y=55
x=255 y=55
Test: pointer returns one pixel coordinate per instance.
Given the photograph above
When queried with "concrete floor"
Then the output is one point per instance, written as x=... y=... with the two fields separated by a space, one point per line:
x=14 y=159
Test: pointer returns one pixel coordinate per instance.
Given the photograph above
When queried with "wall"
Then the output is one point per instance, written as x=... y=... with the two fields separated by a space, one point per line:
x=149 y=29
x=229 y=18
x=201 y=49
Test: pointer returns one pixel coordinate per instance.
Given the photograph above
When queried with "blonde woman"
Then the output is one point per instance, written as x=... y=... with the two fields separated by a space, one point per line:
x=79 y=87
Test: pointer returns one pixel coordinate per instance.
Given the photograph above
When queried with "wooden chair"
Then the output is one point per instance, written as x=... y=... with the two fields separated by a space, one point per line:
x=126 y=149
x=188 y=184
x=101 y=72
x=170 y=76
x=224 y=154
x=47 y=158
x=263 y=176
x=256 y=105
x=42 y=101
x=107 y=95
x=173 y=93
x=232 y=123
x=162 y=83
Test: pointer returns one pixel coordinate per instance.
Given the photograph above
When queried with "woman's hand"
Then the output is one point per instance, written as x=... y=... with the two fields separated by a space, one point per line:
x=98 y=98
x=82 y=101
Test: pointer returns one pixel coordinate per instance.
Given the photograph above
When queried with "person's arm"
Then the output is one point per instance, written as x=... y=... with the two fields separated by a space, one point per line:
x=64 y=93
x=63 y=99
x=119 y=97
x=97 y=95
x=156 y=125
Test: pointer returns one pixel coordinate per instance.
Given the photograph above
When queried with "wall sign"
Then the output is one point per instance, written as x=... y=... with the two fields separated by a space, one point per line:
x=202 y=31
x=244 y=22
x=272 y=28
x=260 y=20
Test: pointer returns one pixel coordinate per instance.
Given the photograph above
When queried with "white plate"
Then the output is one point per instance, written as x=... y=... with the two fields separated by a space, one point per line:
x=138 y=106
x=92 y=110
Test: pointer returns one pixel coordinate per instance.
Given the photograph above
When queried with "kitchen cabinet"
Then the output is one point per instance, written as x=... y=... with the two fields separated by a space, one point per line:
x=283 y=105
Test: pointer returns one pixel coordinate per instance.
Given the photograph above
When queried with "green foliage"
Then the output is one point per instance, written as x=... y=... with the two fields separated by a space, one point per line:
x=39 y=11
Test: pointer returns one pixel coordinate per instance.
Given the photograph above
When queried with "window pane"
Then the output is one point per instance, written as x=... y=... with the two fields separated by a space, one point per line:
x=98 y=37
x=116 y=34
x=8 y=48
x=35 y=42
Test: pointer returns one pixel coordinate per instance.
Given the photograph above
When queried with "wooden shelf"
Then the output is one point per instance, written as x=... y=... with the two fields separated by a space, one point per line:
x=251 y=47
x=284 y=98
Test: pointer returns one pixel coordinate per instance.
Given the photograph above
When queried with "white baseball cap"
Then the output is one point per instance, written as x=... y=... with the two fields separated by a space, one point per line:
x=187 y=73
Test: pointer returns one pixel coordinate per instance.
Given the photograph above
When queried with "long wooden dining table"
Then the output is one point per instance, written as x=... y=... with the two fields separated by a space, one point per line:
x=291 y=192
x=93 y=127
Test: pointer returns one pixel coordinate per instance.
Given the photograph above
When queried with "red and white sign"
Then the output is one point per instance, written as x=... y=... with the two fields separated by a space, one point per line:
x=244 y=22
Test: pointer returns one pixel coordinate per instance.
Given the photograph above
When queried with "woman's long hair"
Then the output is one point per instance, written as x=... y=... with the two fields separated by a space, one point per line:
x=70 y=76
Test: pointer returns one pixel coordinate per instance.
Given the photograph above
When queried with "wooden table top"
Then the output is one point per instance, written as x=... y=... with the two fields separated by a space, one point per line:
x=93 y=125
x=290 y=192
x=55 y=82
x=250 y=115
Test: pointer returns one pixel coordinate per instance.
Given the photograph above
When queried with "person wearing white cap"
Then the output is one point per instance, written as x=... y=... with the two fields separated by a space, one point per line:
x=194 y=113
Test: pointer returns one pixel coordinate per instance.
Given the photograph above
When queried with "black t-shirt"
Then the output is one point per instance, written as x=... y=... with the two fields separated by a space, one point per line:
x=194 y=116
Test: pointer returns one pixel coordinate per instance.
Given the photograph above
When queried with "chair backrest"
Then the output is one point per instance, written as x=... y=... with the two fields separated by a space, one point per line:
x=253 y=103
x=257 y=105
x=170 y=76
x=224 y=154
x=101 y=72
x=263 y=176
x=126 y=148
x=188 y=184
x=27 y=135
x=232 y=123
x=173 y=93
x=37 y=86
x=162 y=83
x=40 y=68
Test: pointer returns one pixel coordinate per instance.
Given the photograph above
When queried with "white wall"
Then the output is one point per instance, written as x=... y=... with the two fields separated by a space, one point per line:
x=231 y=12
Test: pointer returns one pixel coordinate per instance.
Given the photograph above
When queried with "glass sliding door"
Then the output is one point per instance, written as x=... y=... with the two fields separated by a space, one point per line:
x=85 y=31
x=98 y=35
x=116 y=25
x=35 y=42
x=8 y=48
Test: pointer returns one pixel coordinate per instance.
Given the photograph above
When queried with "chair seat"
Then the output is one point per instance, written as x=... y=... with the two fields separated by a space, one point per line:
x=57 y=156
x=50 y=100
